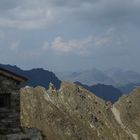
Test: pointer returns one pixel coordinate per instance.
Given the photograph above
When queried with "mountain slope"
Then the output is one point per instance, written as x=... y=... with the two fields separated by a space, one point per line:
x=106 y=92
x=36 y=76
x=70 y=113
x=129 y=112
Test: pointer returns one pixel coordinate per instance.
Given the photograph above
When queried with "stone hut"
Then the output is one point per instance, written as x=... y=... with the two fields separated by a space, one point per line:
x=10 y=101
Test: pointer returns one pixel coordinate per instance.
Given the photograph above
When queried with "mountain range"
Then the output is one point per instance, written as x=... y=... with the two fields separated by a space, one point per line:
x=94 y=80
x=125 y=80
x=43 y=77
x=123 y=77
x=89 y=77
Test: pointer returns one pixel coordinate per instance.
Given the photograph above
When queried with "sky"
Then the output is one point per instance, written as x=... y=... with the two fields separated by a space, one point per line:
x=70 y=35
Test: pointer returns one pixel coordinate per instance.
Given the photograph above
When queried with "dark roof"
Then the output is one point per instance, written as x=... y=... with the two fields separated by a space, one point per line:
x=12 y=75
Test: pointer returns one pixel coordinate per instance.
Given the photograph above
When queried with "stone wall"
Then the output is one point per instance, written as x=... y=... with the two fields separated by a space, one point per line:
x=10 y=128
x=25 y=134
x=10 y=112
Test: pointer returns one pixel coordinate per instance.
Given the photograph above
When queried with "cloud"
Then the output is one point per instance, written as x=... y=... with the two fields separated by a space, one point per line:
x=15 y=46
x=26 y=15
x=70 y=4
x=23 y=24
x=36 y=14
x=45 y=46
x=109 y=12
x=82 y=46
x=2 y=35
x=7 y=5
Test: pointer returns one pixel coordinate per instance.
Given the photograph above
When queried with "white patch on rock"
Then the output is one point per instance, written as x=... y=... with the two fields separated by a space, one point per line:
x=116 y=113
x=135 y=136
x=92 y=126
x=89 y=96
x=47 y=97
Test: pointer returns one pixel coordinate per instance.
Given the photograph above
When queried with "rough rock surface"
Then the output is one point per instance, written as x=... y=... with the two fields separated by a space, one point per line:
x=128 y=108
x=70 y=113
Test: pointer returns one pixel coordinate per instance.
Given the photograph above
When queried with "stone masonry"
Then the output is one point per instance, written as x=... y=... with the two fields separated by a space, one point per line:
x=10 y=128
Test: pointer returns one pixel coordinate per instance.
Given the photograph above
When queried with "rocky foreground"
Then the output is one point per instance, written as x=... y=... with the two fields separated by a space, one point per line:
x=73 y=113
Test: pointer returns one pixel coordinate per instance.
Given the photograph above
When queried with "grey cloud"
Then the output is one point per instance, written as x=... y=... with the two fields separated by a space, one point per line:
x=8 y=4
x=70 y=3
x=101 y=12
x=117 y=45
x=110 y=12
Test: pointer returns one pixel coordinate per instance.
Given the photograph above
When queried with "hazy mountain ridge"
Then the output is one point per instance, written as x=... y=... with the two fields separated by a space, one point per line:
x=106 y=92
x=88 y=77
x=126 y=89
x=121 y=79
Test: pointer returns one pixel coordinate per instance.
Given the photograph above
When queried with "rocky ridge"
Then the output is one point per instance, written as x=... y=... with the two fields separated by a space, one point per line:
x=73 y=113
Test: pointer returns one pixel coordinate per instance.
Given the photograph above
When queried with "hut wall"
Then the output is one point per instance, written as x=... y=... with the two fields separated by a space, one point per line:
x=9 y=106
